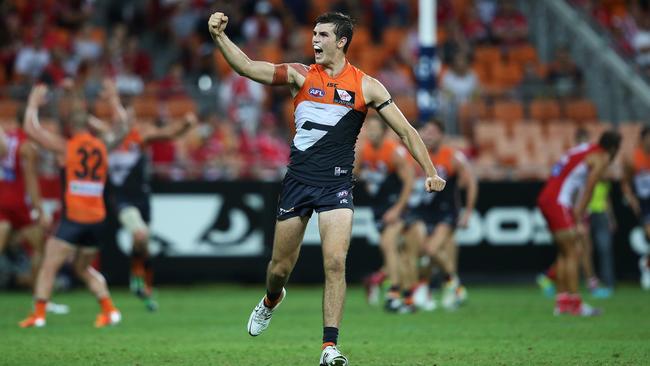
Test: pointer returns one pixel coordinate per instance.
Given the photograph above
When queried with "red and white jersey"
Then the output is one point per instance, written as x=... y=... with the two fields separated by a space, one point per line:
x=12 y=182
x=569 y=176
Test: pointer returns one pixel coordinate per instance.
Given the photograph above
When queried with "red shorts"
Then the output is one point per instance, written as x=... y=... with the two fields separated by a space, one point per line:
x=18 y=216
x=557 y=217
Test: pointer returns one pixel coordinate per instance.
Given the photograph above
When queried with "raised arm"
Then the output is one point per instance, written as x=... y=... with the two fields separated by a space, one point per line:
x=29 y=158
x=170 y=131
x=378 y=97
x=466 y=174
x=260 y=71
x=33 y=128
x=112 y=136
x=626 y=187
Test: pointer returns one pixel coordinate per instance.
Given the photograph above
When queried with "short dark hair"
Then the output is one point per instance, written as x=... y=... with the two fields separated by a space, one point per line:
x=343 y=26
x=610 y=140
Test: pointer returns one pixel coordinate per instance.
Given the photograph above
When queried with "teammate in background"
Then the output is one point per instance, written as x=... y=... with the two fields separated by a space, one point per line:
x=636 y=189
x=85 y=163
x=331 y=99
x=388 y=177
x=563 y=202
x=129 y=192
x=437 y=216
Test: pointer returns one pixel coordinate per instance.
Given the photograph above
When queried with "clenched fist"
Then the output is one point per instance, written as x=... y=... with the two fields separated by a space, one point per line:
x=37 y=96
x=434 y=184
x=217 y=24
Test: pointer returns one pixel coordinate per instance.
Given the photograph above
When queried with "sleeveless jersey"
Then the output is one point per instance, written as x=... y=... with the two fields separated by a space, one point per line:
x=569 y=176
x=379 y=173
x=12 y=181
x=128 y=167
x=641 y=165
x=328 y=114
x=86 y=166
x=448 y=198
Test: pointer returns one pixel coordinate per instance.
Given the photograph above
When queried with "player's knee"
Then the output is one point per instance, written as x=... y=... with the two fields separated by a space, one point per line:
x=280 y=269
x=334 y=264
x=132 y=221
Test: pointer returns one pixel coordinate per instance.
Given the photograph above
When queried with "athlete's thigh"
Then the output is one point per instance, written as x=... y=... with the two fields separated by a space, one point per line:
x=288 y=236
x=391 y=233
x=85 y=257
x=440 y=234
x=566 y=240
x=57 y=251
x=33 y=234
x=5 y=231
x=335 y=229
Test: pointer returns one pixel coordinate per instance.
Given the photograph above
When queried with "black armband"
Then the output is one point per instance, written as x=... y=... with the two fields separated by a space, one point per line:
x=384 y=104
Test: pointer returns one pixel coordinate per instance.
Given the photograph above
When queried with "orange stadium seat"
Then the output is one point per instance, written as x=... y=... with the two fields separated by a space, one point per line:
x=272 y=53
x=523 y=55
x=487 y=55
x=8 y=109
x=392 y=38
x=508 y=112
x=563 y=131
x=475 y=110
x=145 y=107
x=486 y=135
x=581 y=110
x=544 y=110
x=178 y=107
x=506 y=75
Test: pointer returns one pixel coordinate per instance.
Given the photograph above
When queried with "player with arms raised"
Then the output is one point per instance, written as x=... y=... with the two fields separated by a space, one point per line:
x=563 y=202
x=85 y=161
x=331 y=98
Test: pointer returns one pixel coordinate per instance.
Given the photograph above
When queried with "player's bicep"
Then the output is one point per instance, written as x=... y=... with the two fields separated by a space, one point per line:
x=379 y=98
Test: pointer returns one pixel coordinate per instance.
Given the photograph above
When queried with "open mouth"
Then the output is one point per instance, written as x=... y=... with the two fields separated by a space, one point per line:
x=318 y=51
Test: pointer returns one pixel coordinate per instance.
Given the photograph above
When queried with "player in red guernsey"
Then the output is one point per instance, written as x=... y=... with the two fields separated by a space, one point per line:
x=563 y=202
x=20 y=200
x=636 y=189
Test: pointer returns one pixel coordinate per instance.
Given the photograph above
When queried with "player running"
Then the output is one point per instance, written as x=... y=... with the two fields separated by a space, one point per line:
x=438 y=215
x=130 y=193
x=388 y=177
x=85 y=162
x=331 y=99
x=563 y=202
x=636 y=189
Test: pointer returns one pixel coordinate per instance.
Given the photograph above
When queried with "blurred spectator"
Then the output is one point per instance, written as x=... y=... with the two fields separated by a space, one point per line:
x=32 y=59
x=641 y=44
x=487 y=10
x=509 y=26
x=272 y=150
x=55 y=71
x=184 y=20
x=242 y=100
x=564 y=77
x=262 y=26
x=474 y=30
x=396 y=78
x=386 y=13
x=173 y=84
x=455 y=43
x=136 y=59
x=459 y=84
x=532 y=85
x=86 y=47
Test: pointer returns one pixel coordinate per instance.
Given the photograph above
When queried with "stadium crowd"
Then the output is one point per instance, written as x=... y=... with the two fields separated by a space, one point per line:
x=164 y=63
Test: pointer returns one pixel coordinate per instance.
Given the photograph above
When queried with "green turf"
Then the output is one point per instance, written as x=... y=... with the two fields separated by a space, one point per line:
x=207 y=326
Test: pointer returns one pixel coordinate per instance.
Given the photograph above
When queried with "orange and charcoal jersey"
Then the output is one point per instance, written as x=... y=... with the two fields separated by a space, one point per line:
x=448 y=199
x=641 y=171
x=379 y=173
x=328 y=112
x=85 y=171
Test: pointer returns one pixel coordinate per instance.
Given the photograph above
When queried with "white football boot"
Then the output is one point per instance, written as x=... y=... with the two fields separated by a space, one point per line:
x=261 y=316
x=332 y=357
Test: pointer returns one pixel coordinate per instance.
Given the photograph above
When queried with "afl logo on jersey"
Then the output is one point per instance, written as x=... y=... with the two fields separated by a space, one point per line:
x=344 y=97
x=316 y=93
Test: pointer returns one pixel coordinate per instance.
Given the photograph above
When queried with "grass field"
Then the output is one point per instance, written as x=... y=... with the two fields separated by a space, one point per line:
x=206 y=326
